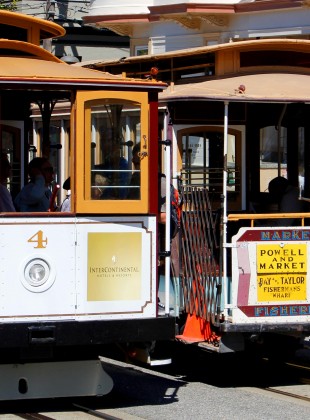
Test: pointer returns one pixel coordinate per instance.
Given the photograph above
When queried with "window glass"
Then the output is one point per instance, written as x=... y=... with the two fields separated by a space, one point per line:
x=115 y=151
x=203 y=160
x=52 y=149
x=301 y=159
x=273 y=155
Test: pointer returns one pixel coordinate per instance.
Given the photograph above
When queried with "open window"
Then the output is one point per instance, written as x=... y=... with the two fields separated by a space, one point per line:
x=11 y=133
x=203 y=161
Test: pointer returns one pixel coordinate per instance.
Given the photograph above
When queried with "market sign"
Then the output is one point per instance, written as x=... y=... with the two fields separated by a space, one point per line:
x=281 y=272
x=270 y=268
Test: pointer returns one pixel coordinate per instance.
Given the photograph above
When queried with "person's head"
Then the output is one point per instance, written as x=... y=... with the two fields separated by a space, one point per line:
x=277 y=187
x=5 y=168
x=41 y=166
x=66 y=184
x=135 y=155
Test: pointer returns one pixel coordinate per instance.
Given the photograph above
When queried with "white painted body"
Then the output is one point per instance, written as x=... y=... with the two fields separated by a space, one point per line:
x=64 y=294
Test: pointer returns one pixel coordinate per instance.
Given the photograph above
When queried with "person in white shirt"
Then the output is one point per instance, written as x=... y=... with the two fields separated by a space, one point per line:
x=66 y=204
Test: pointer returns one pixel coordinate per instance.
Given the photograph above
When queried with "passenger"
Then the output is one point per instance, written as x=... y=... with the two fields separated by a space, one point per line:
x=36 y=195
x=6 y=202
x=115 y=166
x=287 y=198
x=134 y=192
x=66 y=204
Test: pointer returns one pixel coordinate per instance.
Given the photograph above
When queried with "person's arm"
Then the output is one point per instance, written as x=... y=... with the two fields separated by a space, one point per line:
x=6 y=202
x=162 y=218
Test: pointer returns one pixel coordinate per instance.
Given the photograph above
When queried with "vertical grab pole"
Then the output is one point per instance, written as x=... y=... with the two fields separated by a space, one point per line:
x=224 y=214
x=167 y=230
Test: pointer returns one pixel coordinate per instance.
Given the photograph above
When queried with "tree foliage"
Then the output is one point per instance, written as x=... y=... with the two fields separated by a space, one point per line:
x=8 y=4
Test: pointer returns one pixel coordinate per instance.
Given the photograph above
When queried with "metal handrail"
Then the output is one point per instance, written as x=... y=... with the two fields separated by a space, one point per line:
x=234 y=217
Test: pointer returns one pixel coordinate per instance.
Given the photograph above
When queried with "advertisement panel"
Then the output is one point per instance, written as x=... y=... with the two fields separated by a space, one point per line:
x=270 y=273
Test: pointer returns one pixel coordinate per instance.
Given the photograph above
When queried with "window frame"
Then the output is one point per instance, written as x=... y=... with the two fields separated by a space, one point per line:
x=83 y=201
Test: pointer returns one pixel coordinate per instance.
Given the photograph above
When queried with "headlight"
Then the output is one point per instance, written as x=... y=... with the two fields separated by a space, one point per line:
x=38 y=274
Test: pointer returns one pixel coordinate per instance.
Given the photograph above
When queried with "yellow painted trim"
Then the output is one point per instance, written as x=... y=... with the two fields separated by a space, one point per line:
x=72 y=148
x=84 y=99
x=263 y=216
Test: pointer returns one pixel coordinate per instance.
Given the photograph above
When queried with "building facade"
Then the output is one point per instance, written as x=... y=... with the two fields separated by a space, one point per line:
x=162 y=26
x=80 y=42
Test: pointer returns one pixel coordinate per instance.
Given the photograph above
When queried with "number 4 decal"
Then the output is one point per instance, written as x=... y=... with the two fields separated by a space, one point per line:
x=38 y=239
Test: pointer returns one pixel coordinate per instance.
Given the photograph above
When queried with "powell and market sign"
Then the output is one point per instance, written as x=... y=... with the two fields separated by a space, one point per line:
x=281 y=269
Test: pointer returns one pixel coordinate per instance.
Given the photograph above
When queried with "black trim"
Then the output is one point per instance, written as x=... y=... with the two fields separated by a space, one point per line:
x=85 y=333
x=297 y=328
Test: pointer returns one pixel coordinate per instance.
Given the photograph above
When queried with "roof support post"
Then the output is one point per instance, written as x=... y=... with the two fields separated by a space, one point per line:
x=223 y=257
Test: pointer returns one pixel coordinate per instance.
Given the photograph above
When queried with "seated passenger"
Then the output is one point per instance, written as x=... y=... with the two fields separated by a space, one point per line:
x=114 y=165
x=35 y=196
x=66 y=204
x=287 y=198
x=6 y=202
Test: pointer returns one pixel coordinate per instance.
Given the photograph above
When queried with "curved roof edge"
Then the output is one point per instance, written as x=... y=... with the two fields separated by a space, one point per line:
x=47 y=28
x=258 y=87
x=28 y=49
x=34 y=71
x=287 y=44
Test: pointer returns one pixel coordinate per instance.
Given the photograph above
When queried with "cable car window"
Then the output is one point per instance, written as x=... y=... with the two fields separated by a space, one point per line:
x=203 y=160
x=115 y=150
x=301 y=159
x=10 y=135
x=273 y=155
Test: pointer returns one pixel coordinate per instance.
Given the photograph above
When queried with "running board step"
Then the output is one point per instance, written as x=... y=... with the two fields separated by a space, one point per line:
x=53 y=380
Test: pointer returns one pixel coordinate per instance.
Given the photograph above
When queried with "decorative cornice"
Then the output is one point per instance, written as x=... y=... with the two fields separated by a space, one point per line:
x=194 y=22
x=216 y=20
x=188 y=22
x=120 y=29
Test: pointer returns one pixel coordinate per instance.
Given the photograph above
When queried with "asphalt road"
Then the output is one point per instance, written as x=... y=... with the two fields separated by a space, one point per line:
x=196 y=385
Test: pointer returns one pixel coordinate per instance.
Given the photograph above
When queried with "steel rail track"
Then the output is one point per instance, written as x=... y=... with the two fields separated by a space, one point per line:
x=94 y=413
x=288 y=394
x=299 y=382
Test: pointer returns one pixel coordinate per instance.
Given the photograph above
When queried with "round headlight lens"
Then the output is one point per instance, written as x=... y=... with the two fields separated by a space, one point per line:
x=37 y=272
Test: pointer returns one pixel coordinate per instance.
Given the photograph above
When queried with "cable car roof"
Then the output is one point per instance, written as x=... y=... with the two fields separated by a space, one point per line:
x=21 y=71
x=269 y=69
x=259 y=87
